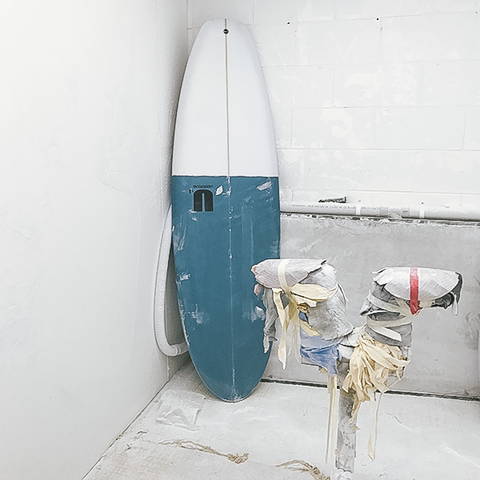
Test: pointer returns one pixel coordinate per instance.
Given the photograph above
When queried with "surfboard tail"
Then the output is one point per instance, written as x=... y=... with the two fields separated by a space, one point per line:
x=219 y=232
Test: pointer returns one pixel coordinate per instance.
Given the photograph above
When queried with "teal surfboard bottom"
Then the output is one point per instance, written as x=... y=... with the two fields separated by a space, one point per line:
x=221 y=227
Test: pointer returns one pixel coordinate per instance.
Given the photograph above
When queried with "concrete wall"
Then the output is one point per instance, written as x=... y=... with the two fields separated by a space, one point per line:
x=377 y=101
x=445 y=347
x=87 y=99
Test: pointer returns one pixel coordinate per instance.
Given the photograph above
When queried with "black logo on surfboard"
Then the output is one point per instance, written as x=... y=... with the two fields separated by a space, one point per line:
x=202 y=200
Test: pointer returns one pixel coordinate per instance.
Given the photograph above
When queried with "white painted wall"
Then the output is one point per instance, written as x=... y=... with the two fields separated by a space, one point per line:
x=375 y=100
x=88 y=91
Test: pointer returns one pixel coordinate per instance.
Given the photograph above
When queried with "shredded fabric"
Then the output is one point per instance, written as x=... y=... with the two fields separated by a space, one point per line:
x=419 y=284
x=266 y=272
x=317 y=351
x=371 y=365
x=398 y=294
x=305 y=467
x=189 y=445
x=306 y=311
x=289 y=317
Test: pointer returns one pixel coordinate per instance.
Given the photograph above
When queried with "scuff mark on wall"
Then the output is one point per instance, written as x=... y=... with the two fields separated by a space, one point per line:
x=19 y=224
x=341 y=124
x=369 y=81
x=112 y=163
x=470 y=329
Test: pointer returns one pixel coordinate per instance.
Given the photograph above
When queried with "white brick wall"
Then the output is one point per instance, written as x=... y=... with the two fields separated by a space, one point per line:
x=375 y=100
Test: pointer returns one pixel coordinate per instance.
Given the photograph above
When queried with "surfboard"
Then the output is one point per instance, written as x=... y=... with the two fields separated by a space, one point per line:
x=225 y=207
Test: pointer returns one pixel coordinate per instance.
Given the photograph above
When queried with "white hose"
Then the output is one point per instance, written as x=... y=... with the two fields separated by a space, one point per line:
x=160 y=290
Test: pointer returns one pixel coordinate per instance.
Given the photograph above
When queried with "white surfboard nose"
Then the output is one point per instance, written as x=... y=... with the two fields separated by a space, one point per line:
x=227 y=88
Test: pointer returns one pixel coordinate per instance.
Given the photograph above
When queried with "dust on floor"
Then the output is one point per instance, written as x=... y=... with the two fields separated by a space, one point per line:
x=279 y=433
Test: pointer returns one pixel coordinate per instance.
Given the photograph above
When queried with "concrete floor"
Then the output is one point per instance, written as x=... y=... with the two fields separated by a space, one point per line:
x=419 y=438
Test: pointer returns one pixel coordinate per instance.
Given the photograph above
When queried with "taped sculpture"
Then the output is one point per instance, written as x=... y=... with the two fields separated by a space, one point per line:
x=311 y=307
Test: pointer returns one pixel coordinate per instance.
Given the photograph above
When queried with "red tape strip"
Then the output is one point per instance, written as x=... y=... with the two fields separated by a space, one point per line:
x=414 y=290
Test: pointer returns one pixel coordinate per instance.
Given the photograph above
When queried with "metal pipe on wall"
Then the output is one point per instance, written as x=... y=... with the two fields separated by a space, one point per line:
x=362 y=210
